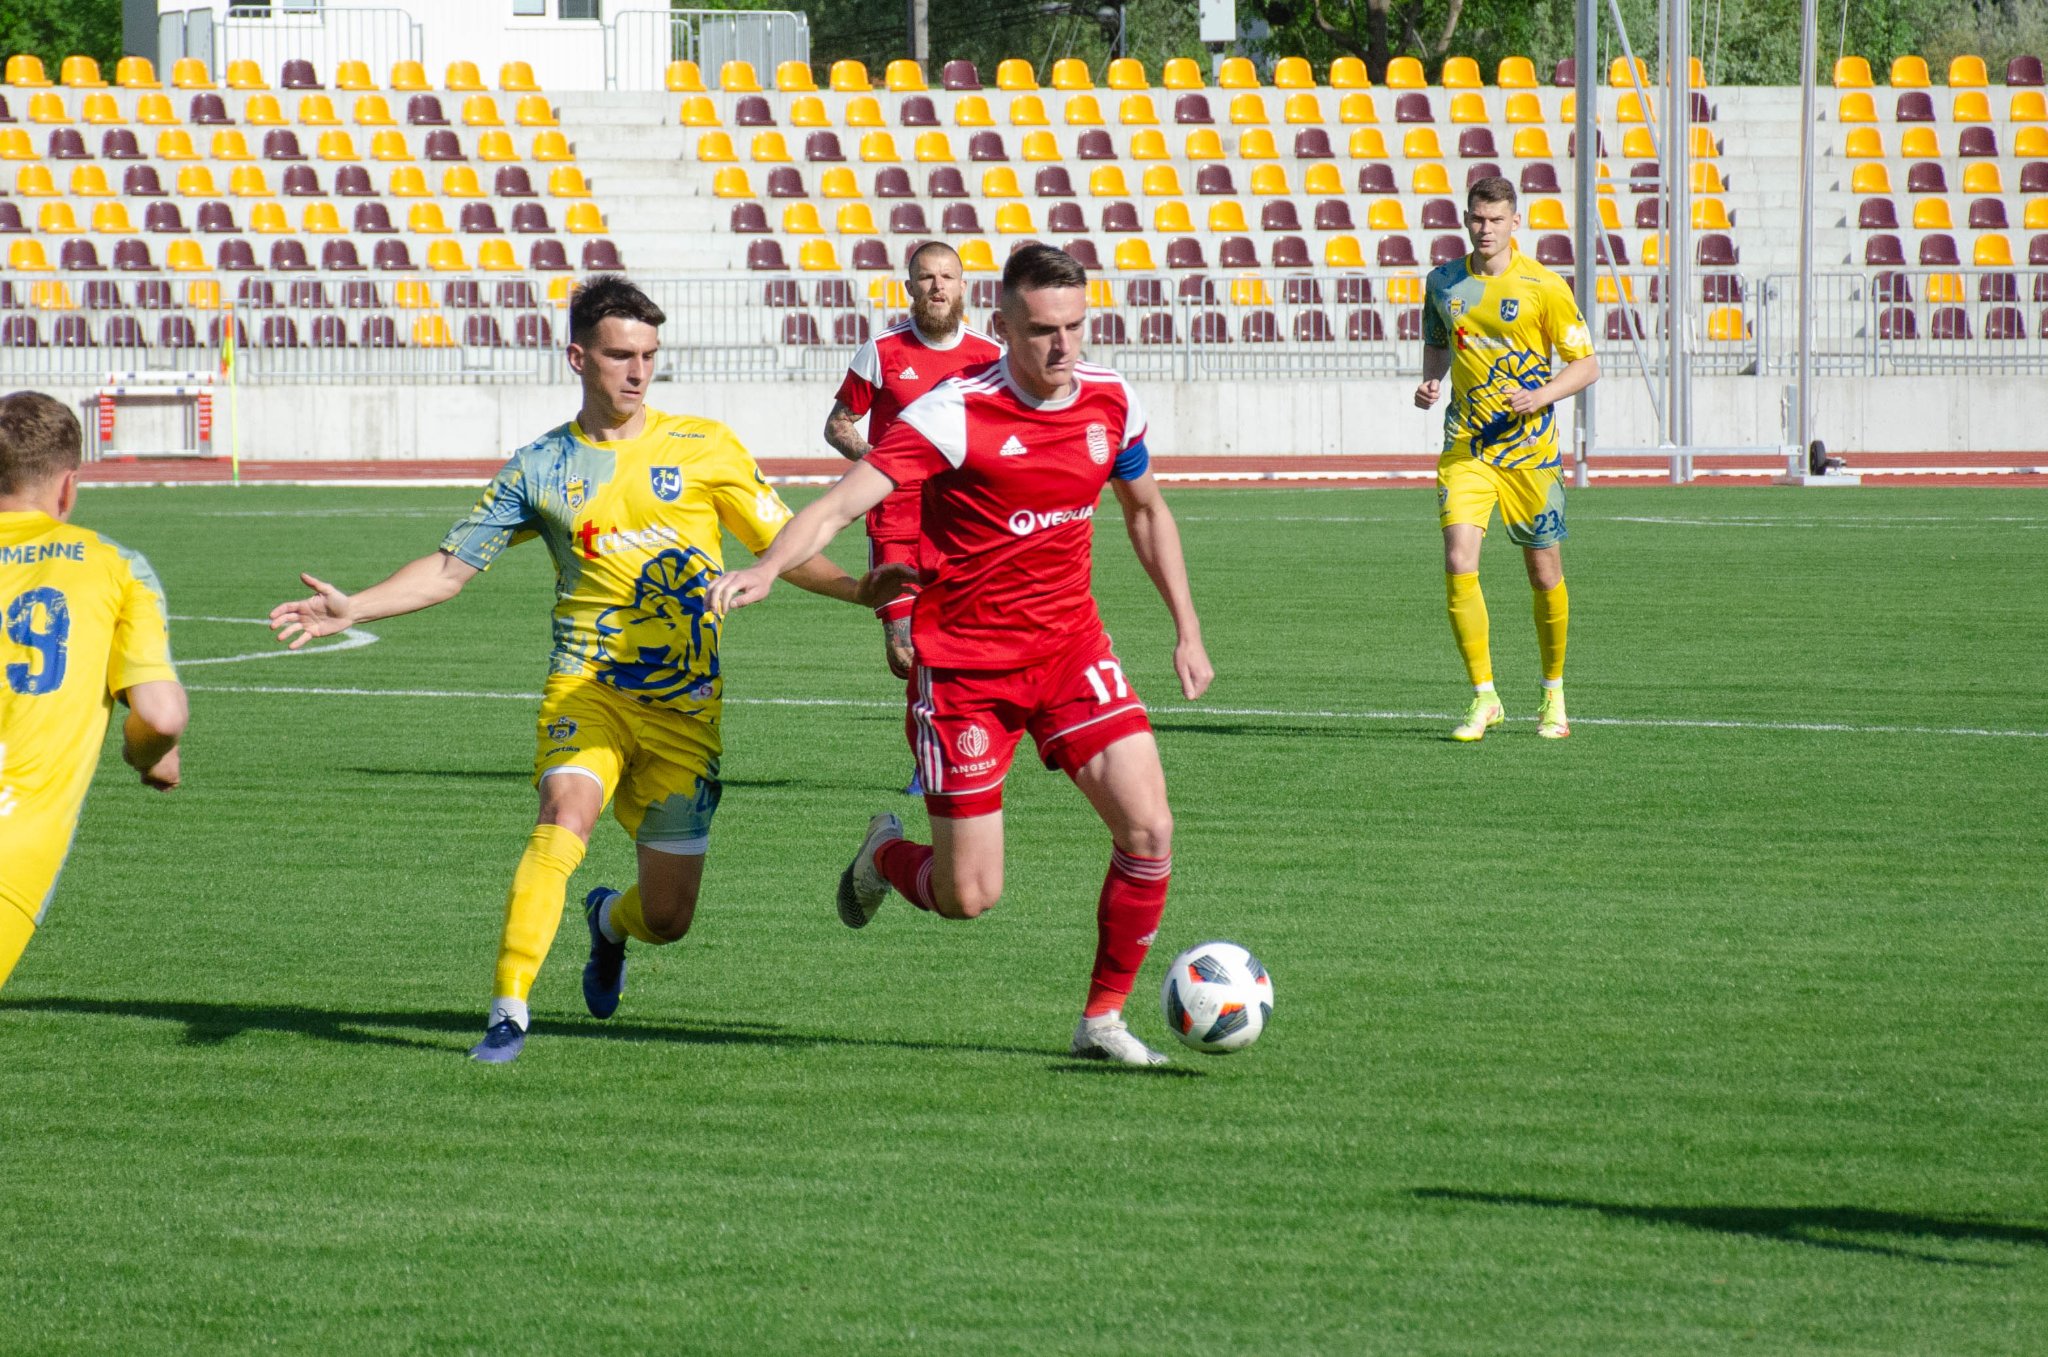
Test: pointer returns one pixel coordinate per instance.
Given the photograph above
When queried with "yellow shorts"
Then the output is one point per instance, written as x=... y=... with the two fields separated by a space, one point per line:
x=657 y=768
x=1531 y=502
x=32 y=848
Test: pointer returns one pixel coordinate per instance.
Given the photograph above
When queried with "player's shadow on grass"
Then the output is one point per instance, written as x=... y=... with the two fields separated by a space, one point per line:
x=212 y=1024
x=1333 y=731
x=458 y=774
x=1818 y=1227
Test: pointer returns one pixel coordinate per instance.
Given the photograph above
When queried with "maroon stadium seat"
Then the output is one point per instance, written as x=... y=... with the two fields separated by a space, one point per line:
x=2005 y=322
x=299 y=75
x=1987 y=214
x=1301 y=292
x=479 y=219
x=1889 y=286
x=850 y=329
x=329 y=332
x=1107 y=327
x=1540 y=176
x=785 y=181
x=1376 y=177
x=1485 y=169
x=1450 y=249
x=1196 y=288
x=531 y=219
x=67 y=144
x=945 y=182
x=1702 y=111
x=800 y=327
x=1565 y=75
x=917 y=111
x=1052 y=182
x=748 y=219
x=1914 y=107
x=602 y=256
x=1066 y=219
x=1145 y=292
x=118 y=143
x=1397 y=252
x=257 y=293
x=1209 y=327
x=960 y=75
x=1408 y=325
x=1649 y=214
x=1723 y=289
x=22 y=332
x=360 y=294
x=960 y=219
x=444 y=146
x=1313 y=143
x=1977 y=142
x=207 y=111
x=1610 y=246
x=833 y=292
x=1938 y=251
x=6 y=114
x=1949 y=322
x=893 y=181
x=1413 y=107
x=1184 y=252
x=1260 y=327
x=1717 y=251
x=236 y=256
x=1237 y=252
x=309 y=294
x=1643 y=176
x=373 y=219
x=379 y=332
x=424 y=110
x=907 y=219
x=79 y=256
x=2037 y=254
x=986 y=292
x=1441 y=214
x=1332 y=214
x=1571 y=145
x=216 y=218
x=987 y=148
x=1998 y=287
x=532 y=332
x=548 y=256
x=1291 y=252
x=462 y=294
x=1279 y=215
x=1214 y=181
x=765 y=255
x=281 y=143
x=132 y=256
x=391 y=256
x=1083 y=251
x=1622 y=321
x=2023 y=71
x=1192 y=110
x=278 y=332
x=511 y=181
x=177 y=332
x=71 y=332
x=753 y=111
x=154 y=294
x=123 y=332
x=102 y=294
x=1095 y=145
x=1476 y=143
x=822 y=148
x=1120 y=218
x=1312 y=327
x=10 y=219
x=1874 y=214
x=216 y=326
x=1364 y=327
x=303 y=181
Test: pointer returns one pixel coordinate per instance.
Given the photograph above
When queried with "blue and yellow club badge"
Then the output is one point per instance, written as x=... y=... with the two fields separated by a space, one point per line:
x=574 y=493
x=667 y=481
x=1509 y=308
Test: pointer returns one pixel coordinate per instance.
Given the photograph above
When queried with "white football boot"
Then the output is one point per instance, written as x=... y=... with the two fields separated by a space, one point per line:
x=861 y=887
x=1106 y=1038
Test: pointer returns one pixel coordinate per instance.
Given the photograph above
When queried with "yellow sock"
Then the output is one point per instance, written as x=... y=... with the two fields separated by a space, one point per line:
x=533 y=908
x=1468 y=624
x=1553 y=610
x=627 y=918
x=16 y=928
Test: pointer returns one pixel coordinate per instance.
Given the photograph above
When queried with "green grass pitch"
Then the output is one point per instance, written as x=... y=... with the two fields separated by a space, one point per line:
x=1727 y=1034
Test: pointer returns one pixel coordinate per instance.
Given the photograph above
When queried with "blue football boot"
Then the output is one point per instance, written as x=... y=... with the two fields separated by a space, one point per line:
x=604 y=975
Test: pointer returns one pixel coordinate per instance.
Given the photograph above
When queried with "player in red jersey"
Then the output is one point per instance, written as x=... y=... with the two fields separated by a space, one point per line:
x=888 y=373
x=1008 y=641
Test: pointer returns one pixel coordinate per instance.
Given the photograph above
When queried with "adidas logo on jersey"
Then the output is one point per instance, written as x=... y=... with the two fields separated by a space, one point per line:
x=1011 y=448
x=909 y=374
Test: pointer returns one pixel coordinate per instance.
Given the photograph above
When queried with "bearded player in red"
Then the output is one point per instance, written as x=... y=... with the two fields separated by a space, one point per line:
x=888 y=373
x=1013 y=457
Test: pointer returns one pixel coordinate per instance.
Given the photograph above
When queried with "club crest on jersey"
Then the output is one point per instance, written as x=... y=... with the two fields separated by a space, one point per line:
x=1098 y=444
x=971 y=742
x=1509 y=308
x=574 y=493
x=560 y=729
x=1457 y=306
x=667 y=480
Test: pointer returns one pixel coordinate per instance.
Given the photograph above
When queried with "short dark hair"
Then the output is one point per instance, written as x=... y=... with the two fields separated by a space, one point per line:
x=604 y=295
x=910 y=263
x=1035 y=266
x=39 y=440
x=1492 y=189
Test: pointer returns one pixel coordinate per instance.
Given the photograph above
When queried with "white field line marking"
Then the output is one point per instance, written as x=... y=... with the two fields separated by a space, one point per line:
x=1271 y=713
x=355 y=638
x=322 y=513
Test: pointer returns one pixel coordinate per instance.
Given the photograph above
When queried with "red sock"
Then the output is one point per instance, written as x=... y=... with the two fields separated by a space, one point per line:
x=1126 y=920
x=908 y=867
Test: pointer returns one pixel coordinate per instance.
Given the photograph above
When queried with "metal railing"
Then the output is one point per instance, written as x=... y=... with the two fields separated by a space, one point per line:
x=1904 y=321
x=324 y=35
x=640 y=44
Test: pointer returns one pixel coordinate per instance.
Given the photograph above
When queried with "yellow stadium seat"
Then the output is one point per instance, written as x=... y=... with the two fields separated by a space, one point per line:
x=1946 y=287
x=904 y=77
x=102 y=110
x=1100 y=293
x=1982 y=177
x=559 y=289
x=584 y=219
x=1547 y=214
x=196 y=181
x=51 y=296
x=1132 y=256
x=247 y=181
x=371 y=111
x=495 y=256
x=977 y=257
x=1405 y=73
x=1083 y=111
x=1227 y=217
x=794 y=77
x=1870 y=179
x=1421 y=144
x=1161 y=181
x=90 y=181
x=808 y=110
x=1460 y=73
x=337 y=147
x=1322 y=180
x=26 y=256
x=1607 y=294
x=1638 y=144
x=463 y=78
x=817 y=256
x=202 y=294
x=848 y=76
x=2037 y=214
x=1071 y=73
x=175 y=143
x=1107 y=182
x=731 y=183
x=1250 y=290
x=1269 y=181
x=1710 y=214
x=1630 y=109
x=1257 y=144
x=1303 y=110
x=1015 y=74
x=2027 y=106
x=1706 y=178
x=1127 y=73
x=1247 y=110
x=888 y=293
x=1014 y=219
x=1863 y=143
x=1653 y=250
x=185 y=256
x=1171 y=218
x=1971 y=106
x=320 y=219
x=738 y=77
x=268 y=219
x=516 y=77
x=877 y=148
x=1531 y=143
x=481 y=110
x=1468 y=108
x=246 y=75
x=972 y=111
x=864 y=110
x=931 y=148
x=1136 y=110
x=683 y=77
x=838 y=182
x=1293 y=73
x=1356 y=109
x=317 y=110
x=1149 y=144
x=1430 y=178
x=48 y=110
x=1932 y=214
x=460 y=181
x=1028 y=110
x=1181 y=73
x=801 y=219
x=154 y=110
x=34 y=181
x=566 y=181
x=1726 y=323
x=1368 y=144
x=768 y=148
x=136 y=73
x=1967 y=72
x=57 y=219
x=1703 y=145
x=1698 y=73
x=1919 y=143
x=1348 y=73
x=699 y=111
x=1238 y=73
x=1000 y=181
x=1910 y=73
x=15 y=145
x=1204 y=144
x=1386 y=214
x=389 y=148
x=1515 y=73
x=2031 y=143
x=433 y=331
x=496 y=148
x=111 y=219
x=1621 y=76
x=189 y=73
x=354 y=76
x=1568 y=109
x=408 y=182
x=1342 y=252
x=263 y=110
x=1852 y=73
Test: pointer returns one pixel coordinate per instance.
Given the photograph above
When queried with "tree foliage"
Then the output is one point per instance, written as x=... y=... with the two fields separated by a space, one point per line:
x=55 y=29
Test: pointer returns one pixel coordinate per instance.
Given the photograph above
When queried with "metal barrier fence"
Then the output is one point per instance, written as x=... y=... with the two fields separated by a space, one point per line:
x=640 y=44
x=325 y=35
x=768 y=327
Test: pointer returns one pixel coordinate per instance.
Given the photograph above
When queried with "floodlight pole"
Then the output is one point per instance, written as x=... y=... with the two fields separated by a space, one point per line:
x=1678 y=224
x=1802 y=421
x=1585 y=213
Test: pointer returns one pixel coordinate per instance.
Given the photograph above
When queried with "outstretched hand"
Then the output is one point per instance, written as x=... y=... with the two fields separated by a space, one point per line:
x=883 y=583
x=328 y=611
x=1191 y=662
x=738 y=588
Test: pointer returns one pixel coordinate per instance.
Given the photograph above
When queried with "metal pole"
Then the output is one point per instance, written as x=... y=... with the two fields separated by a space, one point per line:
x=1677 y=45
x=918 y=21
x=1586 y=215
x=1803 y=420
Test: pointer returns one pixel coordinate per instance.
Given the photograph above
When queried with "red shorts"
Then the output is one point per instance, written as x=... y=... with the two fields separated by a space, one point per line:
x=964 y=724
x=890 y=553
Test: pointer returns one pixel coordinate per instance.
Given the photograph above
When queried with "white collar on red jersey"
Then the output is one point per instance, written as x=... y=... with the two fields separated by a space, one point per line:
x=1026 y=398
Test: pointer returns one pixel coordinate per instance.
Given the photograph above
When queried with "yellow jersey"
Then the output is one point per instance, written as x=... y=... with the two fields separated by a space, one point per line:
x=81 y=620
x=633 y=526
x=1501 y=332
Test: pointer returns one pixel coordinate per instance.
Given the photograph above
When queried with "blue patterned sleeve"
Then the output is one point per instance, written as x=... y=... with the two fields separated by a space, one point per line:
x=504 y=511
x=1435 y=333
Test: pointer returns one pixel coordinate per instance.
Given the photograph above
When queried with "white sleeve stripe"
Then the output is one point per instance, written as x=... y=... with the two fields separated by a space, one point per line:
x=941 y=416
x=867 y=364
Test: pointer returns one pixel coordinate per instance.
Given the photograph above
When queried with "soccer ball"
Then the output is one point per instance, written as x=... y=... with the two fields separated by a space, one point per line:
x=1217 y=997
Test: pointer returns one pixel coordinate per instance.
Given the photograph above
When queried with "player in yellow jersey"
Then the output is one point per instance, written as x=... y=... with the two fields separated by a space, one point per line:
x=81 y=626
x=1491 y=320
x=629 y=502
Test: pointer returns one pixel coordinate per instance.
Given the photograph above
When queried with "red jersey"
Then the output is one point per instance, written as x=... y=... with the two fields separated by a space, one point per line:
x=888 y=373
x=1007 y=528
